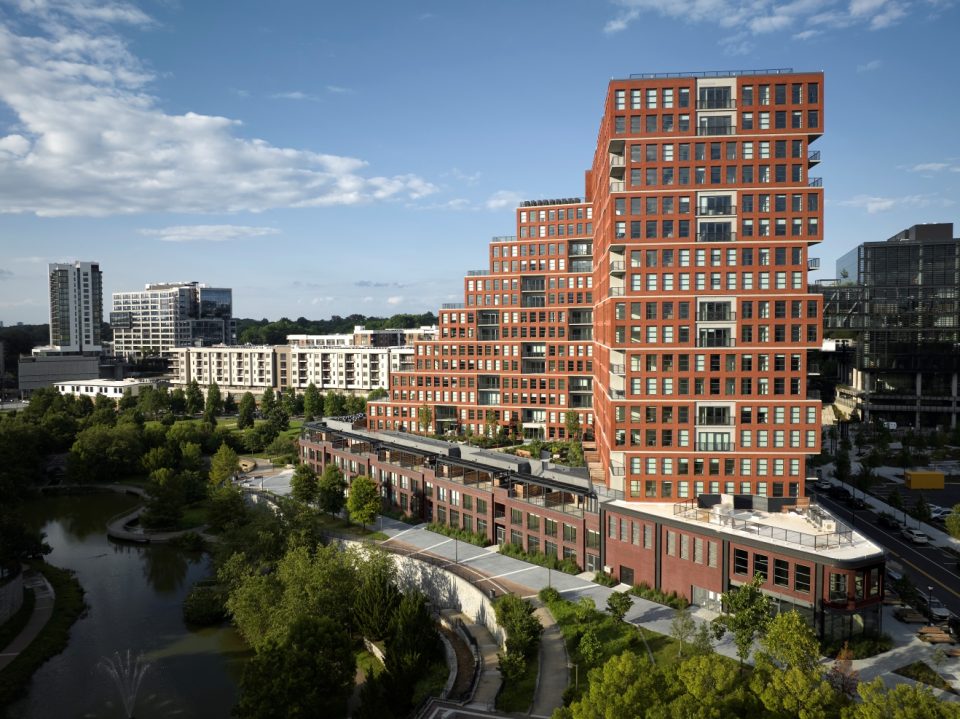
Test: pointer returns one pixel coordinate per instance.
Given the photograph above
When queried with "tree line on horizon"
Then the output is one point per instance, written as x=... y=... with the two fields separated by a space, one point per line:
x=273 y=332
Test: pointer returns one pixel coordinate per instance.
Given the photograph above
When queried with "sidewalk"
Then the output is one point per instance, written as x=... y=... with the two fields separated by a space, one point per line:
x=554 y=675
x=44 y=599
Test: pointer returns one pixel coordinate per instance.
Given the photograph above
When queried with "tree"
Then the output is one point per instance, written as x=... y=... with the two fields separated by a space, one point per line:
x=841 y=469
x=904 y=701
x=330 y=490
x=247 y=410
x=224 y=465
x=355 y=404
x=490 y=422
x=178 y=401
x=746 y=615
x=620 y=688
x=214 y=405
x=894 y=499
x=522 y=627
x=377 y=596
x=334 y=404
x=229 y=404
x=364 y=500
x=921 y=510
x=104 y=453
x=310 y=674
x=303 y=484
x=412 y=644
x=572 y=424
x=953 y=521
x=618 y=604
x=790 y=642
x=193 y=398
x=377 y=393
x=702 y=640
x=312 y=403
x=584 y=609
x=278 y=419
x=292 y=403
x=268 y=400
x=424 y=417
x=167 y=498
x=682 y=627
x=589 y=648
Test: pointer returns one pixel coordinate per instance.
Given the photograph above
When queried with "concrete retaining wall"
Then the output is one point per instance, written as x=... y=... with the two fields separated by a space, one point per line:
x=11 y=598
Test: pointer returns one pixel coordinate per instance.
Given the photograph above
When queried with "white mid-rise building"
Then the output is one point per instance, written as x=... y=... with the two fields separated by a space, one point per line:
x=113 y=389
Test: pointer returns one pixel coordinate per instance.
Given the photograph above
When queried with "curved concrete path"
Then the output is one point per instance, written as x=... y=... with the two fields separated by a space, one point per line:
x=554 y=674
x=44 y=599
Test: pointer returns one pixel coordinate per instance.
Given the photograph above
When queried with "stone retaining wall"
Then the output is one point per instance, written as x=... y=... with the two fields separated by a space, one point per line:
x=11 y=598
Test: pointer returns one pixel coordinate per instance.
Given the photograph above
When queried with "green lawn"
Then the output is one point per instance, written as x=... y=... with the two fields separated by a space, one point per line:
x=194 y=515
x=369 y=664
x=923 y=672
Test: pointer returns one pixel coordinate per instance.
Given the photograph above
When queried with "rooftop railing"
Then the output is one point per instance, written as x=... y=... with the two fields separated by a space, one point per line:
x=710 y=73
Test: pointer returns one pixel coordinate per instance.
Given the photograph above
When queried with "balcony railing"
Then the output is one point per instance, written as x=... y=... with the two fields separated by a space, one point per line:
x=452 y=306
x=716 y=316
x=616 y=394
x=716 y=236
x=813 y=156
x=474 y=273
x=715 y=342
x=714 y=446
x=616 y=292
x=813 y=263
x=504 y=238
x=618 y=369
x=616 y=161
x=714 y=422
x=728 y=104
x=815 y=182
x=717 y=130
x=617 y=266
x=617 y=186
x=712 y=211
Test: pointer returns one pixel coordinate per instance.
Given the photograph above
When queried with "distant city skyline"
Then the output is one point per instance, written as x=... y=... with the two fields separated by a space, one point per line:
x=311 y=157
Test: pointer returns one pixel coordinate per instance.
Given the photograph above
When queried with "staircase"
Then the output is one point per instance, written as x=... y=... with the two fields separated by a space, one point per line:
x=592 y=457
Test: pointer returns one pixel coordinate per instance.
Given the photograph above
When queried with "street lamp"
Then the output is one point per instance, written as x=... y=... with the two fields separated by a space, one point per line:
x=929 y=596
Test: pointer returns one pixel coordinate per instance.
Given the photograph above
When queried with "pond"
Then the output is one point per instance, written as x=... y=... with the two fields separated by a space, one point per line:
x=134 y=594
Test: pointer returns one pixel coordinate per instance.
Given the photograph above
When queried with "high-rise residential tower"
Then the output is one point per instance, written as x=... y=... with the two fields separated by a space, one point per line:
x=76 y=307
x=668 y=309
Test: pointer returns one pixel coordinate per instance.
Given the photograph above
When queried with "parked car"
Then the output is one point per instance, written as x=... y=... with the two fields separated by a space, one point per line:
x=916 y=536
x=940 y=512
x=840 y=493
x=938 y=610
x=822 y=485
x=887 y=521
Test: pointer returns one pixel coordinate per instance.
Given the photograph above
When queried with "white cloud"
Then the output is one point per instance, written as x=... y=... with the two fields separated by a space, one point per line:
x=874 y=204
x=502 y=199
x=338 y=90
x=395 y=300
x=292 y=95
x=90 y=140
x=765 y=16
x=870 y=66
x=207 y=233
x=952 y=166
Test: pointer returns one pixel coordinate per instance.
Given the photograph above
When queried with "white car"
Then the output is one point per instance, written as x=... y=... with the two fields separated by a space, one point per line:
x=938 y=610
x=916 y=536
x=940 y=512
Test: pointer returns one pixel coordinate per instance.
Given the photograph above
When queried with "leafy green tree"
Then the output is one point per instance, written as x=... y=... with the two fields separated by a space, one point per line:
x=583 y=610
x=224 y=465
x=746 y=615
x=589 y=648
x=178 y=401
x=702 y=640
x=572 y=424
x=164 y=507
x=953 y=521
x=194 y=398
x=312 y=403
x=710 y=687
x=921 y=510
x=331 y=488
x=303 y=484
x=377 y=596
x=413 y=643
x=364 y=501
x=377 y=393
x=157 y=458
x=104 y=454
x=246 y=411
x=58 y=430
x=424 y=417
x=841 y=469
x=268 y=400
x=214 y=404
x=334 y=404
x=894 y=499
x=311 y=674
x=229 y=403
x=621 y=687
x=18 y=542
x=225 y=508
x=522 y=627
x=904 y=701
x=618 y=604
x=291 y=402
x=682 y=628
x=278 y=419
x=355 y=404
x=490 y=422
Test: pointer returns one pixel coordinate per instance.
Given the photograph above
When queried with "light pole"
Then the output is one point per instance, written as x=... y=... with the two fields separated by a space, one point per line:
x=929 y=597
x=456 y=551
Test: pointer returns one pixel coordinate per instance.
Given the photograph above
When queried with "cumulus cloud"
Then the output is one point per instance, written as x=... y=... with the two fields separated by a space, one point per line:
x=89 y=139
x=766 y=16
x=207 y=233
x=930 y=167
x=869 y=66
x=874 y=204
x=292 y=95
x=395 y=300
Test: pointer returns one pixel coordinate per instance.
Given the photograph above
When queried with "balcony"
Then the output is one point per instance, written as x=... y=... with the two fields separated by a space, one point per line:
x=616 y=292
x=813 y=263
x=714 y=446
x=452 y=306
x=715 y=342
x=617 y=266
x=815 y=182
x=474 y=273
x=617 y=161
x=705 y=130
x=718 y=104
x=618 y=369
x=716 y=210
x=714 y=421
x=716 y=236
x=616 y=394
x=716 y=316
x=617 y=186
x=813 y=157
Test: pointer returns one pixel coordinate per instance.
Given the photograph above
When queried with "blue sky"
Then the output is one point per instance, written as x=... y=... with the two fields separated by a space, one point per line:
x=327 y=158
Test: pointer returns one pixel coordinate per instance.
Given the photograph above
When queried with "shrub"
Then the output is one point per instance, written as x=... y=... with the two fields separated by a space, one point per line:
x=861 y=647
x=567 y=566
x=478 y=540
x=548 y=595
x=645 y=591
x=190 y=542
x=204 y=606
x=604 y=579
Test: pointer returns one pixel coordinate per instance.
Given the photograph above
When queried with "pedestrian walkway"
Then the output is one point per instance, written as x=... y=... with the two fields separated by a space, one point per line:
x=488 y=686
x=44 y=599
x=554 y=675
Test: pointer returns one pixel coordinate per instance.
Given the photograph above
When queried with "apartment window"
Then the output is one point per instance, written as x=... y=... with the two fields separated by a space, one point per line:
x=550 y=527
x=761 y=565
x=712 y=554
x=801 y=578
x=781 y=572
x=740 y=561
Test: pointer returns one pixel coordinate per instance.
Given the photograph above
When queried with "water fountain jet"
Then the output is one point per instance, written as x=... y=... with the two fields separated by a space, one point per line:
x=127 y=673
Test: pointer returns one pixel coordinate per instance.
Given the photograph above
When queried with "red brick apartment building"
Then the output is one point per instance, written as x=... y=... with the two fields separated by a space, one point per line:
x=669 y=309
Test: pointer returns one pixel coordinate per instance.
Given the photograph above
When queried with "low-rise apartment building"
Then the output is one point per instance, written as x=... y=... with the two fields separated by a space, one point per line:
x=697 y=547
